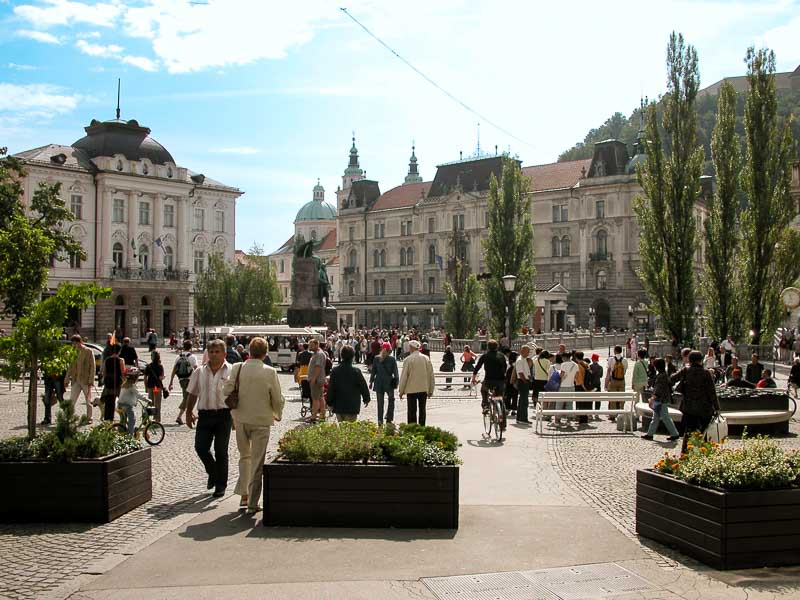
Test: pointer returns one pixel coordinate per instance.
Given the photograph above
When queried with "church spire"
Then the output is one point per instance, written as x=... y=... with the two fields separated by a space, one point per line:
x=413 y=173
x=353 y=168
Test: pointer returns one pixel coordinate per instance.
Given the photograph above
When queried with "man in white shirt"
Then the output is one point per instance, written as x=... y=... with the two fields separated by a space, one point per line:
x=728 y=347
x=214 y=421
x=523 y=369
x=185 y=365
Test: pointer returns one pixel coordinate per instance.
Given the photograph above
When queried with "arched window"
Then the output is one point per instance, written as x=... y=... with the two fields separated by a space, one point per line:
x=410 y=256
x=556 y=246
x=376 y=258
x=314 y=234
x=118 y=254
x=565 y=246
x=169 y=258
x=602 y=243
x=601 y=279
x=352 y=258
x=431 y=254
x=351 y=288
x=383 y=258
x=144 y=256
x=402 y=257
x=431 y=285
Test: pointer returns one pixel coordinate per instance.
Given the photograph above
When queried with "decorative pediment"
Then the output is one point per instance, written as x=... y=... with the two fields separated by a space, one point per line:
x=220 y=242
x=76 y=186
x=168 y=238
x=144 y=236
x=219 y=204
x=120 y=235
x=200 y=241
x=77 y=231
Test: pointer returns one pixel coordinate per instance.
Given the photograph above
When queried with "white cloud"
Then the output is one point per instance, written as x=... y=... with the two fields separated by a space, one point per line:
x=18 y=67
x=97 y=49
x=243 y=150
x=783 y=40
x=85 y=35
x=141 y=62
x=48 y=13
x=190 y=37
x=39 y=36
x=36 y=99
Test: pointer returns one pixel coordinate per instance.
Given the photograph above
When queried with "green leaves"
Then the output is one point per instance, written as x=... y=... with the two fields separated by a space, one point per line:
x=462 y=312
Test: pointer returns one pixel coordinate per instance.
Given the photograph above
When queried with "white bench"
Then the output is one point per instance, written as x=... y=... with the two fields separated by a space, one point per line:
x=733 y=417
x=573 y=397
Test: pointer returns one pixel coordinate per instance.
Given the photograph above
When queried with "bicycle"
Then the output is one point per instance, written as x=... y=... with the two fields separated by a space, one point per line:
x=154 y=431
x=494 y=417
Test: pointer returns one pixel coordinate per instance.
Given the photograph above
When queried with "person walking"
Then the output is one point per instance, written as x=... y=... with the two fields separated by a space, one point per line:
x=659 y=402
x=53 y=393
x=231 y=355
x=699 y=396
x=541 y=371
x=80 y=375
x=417 y=381
x=384 y=379
x=639 y=379
x=112 y=372
x=154 y=382
x=346 y=387
x=316 y=380
x=182 y=369
x=615 y=377
x=468 y=358
x=597 y=379
x=523 y=367
x=260 y=405
x=128 y=353
x=152 y=340
x=214 y=417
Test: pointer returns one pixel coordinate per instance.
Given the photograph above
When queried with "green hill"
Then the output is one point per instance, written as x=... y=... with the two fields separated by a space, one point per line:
x=623 y=128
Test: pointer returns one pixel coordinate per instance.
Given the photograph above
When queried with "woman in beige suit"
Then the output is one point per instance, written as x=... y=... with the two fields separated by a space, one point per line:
x=260 y=405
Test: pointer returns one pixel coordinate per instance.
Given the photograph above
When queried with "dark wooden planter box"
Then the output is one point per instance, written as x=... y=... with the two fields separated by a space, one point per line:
x=724 y=529
x=92 y=491
x=354 y=495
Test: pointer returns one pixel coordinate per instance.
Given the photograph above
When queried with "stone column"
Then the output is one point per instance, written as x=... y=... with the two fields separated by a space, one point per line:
x=158 y=215
x=105 y=259
x=181 y=233
x=132 y=262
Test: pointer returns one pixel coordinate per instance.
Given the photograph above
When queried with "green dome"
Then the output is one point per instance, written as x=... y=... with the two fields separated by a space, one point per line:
x=316 y=210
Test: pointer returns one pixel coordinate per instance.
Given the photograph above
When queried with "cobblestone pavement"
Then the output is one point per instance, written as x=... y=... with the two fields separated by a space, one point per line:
x=45 y=560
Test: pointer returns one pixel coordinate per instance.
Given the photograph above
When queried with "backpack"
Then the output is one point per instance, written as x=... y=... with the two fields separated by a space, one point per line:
x=588 y=379
x=513 y=378
x=183 y=368
x=553 y=381
x=618 y=372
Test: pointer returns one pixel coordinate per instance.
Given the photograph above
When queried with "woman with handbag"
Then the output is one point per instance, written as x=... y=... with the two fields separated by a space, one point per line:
x=700 y=400
x=384 y=379
x=659 y=402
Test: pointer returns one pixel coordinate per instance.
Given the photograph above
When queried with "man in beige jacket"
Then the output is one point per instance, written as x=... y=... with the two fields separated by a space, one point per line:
x=417 y=381
x=80 y=375
x=260 y=405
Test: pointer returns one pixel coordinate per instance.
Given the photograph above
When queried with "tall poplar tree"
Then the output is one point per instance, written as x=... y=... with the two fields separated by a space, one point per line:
x=462 y=312
x=508 y=249
x=670 y=178
x=722 y=237
x=766 y=179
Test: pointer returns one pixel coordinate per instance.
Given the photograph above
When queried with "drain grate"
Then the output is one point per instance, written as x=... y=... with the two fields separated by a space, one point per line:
x=570 y=583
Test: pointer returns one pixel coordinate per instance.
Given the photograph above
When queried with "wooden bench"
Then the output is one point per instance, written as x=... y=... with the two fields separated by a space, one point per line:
x=573 y=397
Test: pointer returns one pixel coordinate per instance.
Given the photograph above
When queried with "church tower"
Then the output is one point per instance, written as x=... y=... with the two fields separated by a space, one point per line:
x=352 y=173
x=413 y=173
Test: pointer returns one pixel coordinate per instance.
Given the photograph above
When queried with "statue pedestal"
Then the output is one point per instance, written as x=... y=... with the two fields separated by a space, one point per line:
x=300 y=317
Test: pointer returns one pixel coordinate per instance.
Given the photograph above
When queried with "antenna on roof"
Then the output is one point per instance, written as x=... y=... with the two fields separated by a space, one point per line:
x=118 y=88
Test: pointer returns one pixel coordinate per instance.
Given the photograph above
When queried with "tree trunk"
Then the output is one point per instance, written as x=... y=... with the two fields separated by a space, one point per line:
x=32 y=399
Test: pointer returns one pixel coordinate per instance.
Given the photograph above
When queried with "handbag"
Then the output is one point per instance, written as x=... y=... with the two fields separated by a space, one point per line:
x=232 y=399
x=717 y=430
x=164 y=393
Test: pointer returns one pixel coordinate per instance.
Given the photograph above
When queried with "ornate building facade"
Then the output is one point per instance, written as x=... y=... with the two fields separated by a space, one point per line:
x=146 y=224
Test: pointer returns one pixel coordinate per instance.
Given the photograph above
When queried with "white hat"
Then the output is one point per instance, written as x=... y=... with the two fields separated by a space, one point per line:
x=414 y=344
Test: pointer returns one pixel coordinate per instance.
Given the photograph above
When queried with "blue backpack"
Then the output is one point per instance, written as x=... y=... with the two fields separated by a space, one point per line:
x=553 y=381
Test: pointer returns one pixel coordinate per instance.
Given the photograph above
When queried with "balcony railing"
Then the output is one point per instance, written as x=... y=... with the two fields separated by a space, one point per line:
x=600 y=256
x=149 y=274
x=350 y=270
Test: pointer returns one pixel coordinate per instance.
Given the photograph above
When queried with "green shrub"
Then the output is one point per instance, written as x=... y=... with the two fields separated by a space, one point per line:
x=15 y=449
x=363 y=441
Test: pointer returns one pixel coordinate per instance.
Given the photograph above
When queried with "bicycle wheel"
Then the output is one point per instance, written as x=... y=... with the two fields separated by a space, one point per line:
x=154 y=433
x=497 y=420
x=487 y=422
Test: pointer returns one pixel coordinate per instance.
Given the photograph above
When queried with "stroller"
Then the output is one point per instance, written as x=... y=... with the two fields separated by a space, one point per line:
x=305 y=397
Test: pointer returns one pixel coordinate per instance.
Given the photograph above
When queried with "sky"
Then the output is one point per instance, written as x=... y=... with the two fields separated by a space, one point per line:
x=265 y=95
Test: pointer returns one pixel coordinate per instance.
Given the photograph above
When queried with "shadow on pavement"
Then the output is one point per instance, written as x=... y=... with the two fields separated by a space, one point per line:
x=196 y=504
x=485 y=443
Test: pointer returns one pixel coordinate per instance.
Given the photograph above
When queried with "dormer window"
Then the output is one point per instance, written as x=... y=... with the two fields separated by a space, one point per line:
x=145 y=170
x=169 y=172
x=119 y=165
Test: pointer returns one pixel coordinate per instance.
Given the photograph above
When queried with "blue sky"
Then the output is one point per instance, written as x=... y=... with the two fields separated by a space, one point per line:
x=264 y=95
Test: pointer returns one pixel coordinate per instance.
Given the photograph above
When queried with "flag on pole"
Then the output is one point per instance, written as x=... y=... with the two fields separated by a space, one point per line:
x=160 y=244
x=133 y=246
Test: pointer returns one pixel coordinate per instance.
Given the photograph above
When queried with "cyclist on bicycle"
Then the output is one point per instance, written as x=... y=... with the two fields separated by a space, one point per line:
x=494 y=365
x=128 y=397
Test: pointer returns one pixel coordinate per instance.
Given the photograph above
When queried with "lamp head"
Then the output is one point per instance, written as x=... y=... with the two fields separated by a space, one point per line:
x=509 y=282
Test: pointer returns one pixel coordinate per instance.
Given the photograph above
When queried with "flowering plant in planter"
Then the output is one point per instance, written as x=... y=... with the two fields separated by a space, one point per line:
x=760 y=463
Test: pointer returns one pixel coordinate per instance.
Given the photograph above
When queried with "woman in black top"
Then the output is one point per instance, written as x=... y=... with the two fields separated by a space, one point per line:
x=154 y=382
x=448 y=365
x=113 y=369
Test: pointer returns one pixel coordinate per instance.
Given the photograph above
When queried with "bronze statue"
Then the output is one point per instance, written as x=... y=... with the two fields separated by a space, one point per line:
x=323 y=283
x=303 y=249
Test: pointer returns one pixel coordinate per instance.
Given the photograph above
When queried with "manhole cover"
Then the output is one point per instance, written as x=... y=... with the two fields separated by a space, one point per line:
x=567 y=583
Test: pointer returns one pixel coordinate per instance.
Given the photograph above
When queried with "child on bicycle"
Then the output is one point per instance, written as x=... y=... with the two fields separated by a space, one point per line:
x=128 y=397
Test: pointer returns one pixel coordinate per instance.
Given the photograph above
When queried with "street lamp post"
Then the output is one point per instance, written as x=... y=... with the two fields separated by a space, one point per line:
x=432 y=318
x=592 y=322
x=509 y=283
x=405 y=319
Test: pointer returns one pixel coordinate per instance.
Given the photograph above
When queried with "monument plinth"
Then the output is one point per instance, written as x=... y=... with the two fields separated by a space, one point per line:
x=310 y=294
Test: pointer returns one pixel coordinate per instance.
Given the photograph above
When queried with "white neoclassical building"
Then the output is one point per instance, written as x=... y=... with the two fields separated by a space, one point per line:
x=147 y=226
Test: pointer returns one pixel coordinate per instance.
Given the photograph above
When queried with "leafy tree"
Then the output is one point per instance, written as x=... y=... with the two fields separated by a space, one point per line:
x=766 y=180
x=462 y=313
x=33 y=343
x=29 y=237
x=722 y=237
x=508 y=249
x=670 y=179
x=617 y=126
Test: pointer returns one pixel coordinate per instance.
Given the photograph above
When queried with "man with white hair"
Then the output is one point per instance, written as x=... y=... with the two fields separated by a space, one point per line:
x=417 y=381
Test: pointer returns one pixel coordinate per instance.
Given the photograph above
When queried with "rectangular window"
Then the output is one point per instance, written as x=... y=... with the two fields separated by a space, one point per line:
x=118 y=215
x=600 y=209
x=352 y=232
x=199 y=219
x=199 y=261
x=282 y=266
x=169 y=215
x=410 y=286
x=409 y=228
x=383 y=230
x=556 y=213
x=219 y=221
x=431 y=225
x=486 y=218
x=403 y=287
x=144 y=213
x=383 y=287
x=285 y=292
x=75 y=261
x=76 y=206
x=377 y=231
x=458 y=222
x=376 y=287
x=564 y=213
